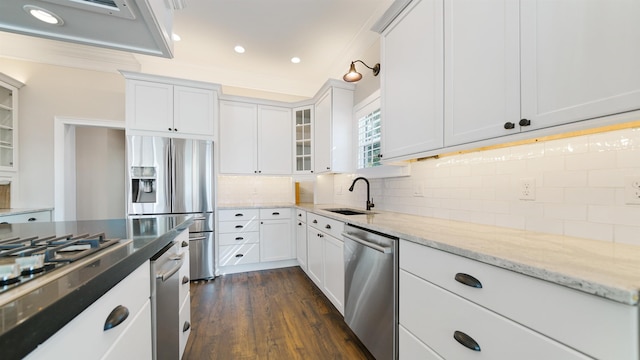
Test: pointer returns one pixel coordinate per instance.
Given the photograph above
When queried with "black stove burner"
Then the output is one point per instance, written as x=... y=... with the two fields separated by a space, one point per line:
x=40 y=255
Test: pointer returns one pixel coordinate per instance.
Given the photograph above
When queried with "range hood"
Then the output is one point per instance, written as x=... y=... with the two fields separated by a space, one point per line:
x=139 y=26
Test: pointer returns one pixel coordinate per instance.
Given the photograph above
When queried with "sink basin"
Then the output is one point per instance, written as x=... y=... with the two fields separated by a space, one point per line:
x=349 y=211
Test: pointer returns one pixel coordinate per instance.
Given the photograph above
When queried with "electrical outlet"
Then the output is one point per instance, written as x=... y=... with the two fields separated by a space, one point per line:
x=527 y=189
x=632 y=190
x=417 y=189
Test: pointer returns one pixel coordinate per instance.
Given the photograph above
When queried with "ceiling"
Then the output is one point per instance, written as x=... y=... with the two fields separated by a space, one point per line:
x=325 y=34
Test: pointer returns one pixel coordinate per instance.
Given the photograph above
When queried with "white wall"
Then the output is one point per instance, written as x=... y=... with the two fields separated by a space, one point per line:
x=100 y=173
x=579 y=187
x=51 y=91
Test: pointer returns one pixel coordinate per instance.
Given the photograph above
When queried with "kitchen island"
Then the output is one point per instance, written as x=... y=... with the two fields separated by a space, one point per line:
x=34 y=311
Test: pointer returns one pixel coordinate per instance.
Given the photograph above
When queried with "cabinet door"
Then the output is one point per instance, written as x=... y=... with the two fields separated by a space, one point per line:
x=482 y=69
x=275 y=240
x=193 y=110
x=274 y=140
x=303 y=142
x=149 y=106
x=334 y=271
x=238 y=134
x=322 y=136
x=301 y=244
x=412 y=81
x=315 y=258
x=136 y=343
x=579 y=59
x=410 y=347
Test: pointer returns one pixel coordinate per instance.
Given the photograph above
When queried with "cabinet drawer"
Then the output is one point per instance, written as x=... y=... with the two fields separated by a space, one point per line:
x=273 y=214
x=599 y=327
x=239 y=254
x=136 y=344
x=235 y=227
x=301 y=215
x=185 y=324
x=410 y=347
x=326 y=225
x=38 y=216
x=239 y=239
x=85 y=334
x=238 y=214
x=433 y=315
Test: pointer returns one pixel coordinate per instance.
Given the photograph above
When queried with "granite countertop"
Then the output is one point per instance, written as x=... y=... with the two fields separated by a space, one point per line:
x=606 y=269
x=35 y=313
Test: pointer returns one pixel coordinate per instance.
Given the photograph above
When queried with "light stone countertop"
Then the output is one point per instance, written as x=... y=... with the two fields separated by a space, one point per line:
x=18 y=211
x=254 y=205
x=601 y=268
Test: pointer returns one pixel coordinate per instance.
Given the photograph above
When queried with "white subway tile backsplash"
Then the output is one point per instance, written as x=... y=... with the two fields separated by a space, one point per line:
x=565 y=211
x=607 y=177
x=588 y=195
x=588 y=230
x=629 y=158
x=616 y=215
x=590 y=161
x=575 y=145
x=626 y=234
x=565 y=179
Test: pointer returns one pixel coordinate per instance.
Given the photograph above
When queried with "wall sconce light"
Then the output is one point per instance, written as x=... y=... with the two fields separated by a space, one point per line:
x=353 y=75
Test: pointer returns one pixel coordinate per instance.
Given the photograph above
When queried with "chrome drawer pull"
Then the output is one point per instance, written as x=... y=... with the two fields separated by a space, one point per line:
x=116 y=317
x=466 y=340
x=468 y=280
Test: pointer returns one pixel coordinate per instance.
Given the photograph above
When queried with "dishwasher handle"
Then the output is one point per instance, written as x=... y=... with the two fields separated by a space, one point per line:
x=179 y=259
x=382 y=249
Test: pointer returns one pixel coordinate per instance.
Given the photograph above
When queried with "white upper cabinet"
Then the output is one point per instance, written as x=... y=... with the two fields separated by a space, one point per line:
x=579 y=59
x=8 y=122
x=170 y=107
x=332 y=128
x=482 y=69
x=274 y=140
x=255 y=139
x=303 y=142
x=412 y=81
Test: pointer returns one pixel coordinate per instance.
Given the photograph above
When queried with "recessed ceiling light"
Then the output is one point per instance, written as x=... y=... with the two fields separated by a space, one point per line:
x=295 y=60
x=43 y=15
x=239 y=49
x=175 y=37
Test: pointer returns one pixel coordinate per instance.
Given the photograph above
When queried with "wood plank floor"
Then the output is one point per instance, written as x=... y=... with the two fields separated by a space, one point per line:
x=272 y=314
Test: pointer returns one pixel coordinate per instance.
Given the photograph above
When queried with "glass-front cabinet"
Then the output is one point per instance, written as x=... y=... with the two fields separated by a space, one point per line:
x=8 y=122
x=303 y=118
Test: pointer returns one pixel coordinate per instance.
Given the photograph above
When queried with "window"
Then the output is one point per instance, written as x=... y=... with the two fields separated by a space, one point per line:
x=369 y=139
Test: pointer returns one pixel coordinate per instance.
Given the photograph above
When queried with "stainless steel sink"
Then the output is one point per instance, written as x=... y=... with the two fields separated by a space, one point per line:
x=349 y=211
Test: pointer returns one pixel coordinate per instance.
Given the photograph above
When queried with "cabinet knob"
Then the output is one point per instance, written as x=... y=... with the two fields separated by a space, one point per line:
x=466 y=340
x=175 y=129
x=184 y=244
x=185 y=280
x=327 y=226
x=509 y=125
x=186 y=326
x=300 y=215
x=169 y=129
x=299 y=224
x=328 y=168
x=117 y=316
x=524 y=122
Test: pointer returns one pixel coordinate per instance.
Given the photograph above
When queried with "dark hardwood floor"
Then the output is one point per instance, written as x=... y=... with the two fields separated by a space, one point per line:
x=271 y=314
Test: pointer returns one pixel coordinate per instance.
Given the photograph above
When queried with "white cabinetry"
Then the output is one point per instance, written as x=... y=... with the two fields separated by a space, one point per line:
x=184 y=316
x=85 y=338
x=482 y=70
x=509 y=315
x=326 y=257
x=170 y=107
x=29 y=216
x=301 y=238
x=412 y=81
x=9 y=122
x=303 y=142
x=333 y=125
x=579 y=59
x=255 y=139
x=276 y=238
x=255 y=237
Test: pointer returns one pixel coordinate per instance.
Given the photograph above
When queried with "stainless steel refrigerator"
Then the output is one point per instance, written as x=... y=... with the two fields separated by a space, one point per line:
x=170 y=176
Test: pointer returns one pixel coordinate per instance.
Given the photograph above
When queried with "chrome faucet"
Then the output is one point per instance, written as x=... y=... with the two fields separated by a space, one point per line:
x=369 y=202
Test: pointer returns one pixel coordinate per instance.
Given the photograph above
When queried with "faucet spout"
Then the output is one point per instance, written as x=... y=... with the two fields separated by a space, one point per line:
x=369 y=200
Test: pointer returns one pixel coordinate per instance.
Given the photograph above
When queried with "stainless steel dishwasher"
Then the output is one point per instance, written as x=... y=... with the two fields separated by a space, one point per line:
x=371 y=289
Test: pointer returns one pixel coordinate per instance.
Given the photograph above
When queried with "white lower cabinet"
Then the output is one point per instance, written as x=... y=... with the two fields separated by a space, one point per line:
x=301 y=238
x=510 y=315
x=85 y=338
x=325 y=250
x=34 y=216
x=255 y=236
x=185 y=324
x=410 y=347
